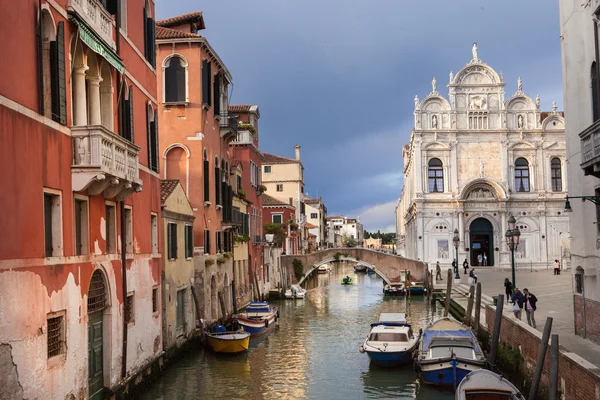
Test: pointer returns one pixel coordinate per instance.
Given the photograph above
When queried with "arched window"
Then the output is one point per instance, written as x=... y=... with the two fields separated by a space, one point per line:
x=521 y=175
x=556 y=174
x=579 y=273
x=175 y=76
x=595 y=91
x=436 y=176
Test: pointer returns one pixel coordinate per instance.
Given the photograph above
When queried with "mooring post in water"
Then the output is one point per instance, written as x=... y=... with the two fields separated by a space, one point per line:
x=477 y=306
x=448 y=292
x=496 y=334
x=537 y=374
x=554 y=367
x=469 y=314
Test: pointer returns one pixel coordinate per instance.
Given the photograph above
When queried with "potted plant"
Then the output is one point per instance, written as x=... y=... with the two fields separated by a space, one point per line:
x=294 y=226
x=221 y=260
x=228 y=255
x=208 y=262
x=242 y=193
x=262 y=188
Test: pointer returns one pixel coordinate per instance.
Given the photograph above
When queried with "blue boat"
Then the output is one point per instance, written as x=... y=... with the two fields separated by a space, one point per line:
x=258 y=318
x=448 y=352
x=391 y=341
x=417 y=289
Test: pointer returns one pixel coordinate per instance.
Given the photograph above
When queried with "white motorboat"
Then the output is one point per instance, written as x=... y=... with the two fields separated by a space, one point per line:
x=483 y=384
x=295 y=292
x=391 y=341
x=323 y=269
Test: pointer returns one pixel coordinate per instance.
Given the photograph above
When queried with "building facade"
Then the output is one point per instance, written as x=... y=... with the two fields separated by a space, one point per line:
x=80 y=262
x=241 y=238
x=316 y=215
x=342 y=230
x=474 y=160
x=580 y=46
x=195 y=131
x=277 y=211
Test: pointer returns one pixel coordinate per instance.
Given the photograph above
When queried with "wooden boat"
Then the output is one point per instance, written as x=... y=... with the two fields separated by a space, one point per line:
x=258 y=318
x=347 y=280
x=391 y=341
x=448 y=351
x=295 y=292
x=228 y=342
x=394 y=289
x=484 y=384
x=417 y=289
x=323 y=269
x=360 y=268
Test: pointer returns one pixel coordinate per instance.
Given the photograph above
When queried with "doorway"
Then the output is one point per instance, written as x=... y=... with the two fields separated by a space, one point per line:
x=482 y=243
x=95 y=307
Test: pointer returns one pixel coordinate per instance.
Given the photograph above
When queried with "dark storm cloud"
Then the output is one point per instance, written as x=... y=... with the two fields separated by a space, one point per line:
x=338 y=77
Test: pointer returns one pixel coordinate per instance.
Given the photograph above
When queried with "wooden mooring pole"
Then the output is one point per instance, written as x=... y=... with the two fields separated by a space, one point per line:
x=448 y=293
x=469 y=314
x=477 y=306
x=496 y=334
x=537 y=374
x=554 y=367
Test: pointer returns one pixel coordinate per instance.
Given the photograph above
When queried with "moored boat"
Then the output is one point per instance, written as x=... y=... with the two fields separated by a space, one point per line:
x=394 y=289
x=391 y=341
x=295 y=292
x=448 y=351
x=417 y=289
x=323 y=269
x=484 y=384
x=258 y=318
x=347 y=280
x=360 y=268
x=228 y=342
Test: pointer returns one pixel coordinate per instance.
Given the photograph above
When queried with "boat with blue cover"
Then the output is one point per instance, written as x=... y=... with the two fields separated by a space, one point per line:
x=258 y=318
x=448 y=351
x=391 y=341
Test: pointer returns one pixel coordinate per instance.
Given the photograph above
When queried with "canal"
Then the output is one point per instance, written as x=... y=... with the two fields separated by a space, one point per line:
x=313 y=354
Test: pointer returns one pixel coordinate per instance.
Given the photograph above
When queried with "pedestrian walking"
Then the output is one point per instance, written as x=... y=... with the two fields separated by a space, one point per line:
x=556 y=267
x=517 y=300
x=438 y=271
x=466 y=265
x=530 y=307
x=472 y=275
x=455 y=266
x=508 y=289
x=485 y=259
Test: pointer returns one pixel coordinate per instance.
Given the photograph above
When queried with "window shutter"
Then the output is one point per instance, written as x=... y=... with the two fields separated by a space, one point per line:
x=40 y=63
x=208 y=241
x=217 y=186
x=154 y=132
x=173 y=241
x=217 y=95
x=149 y=132
x=130 y=115
x=58 y=77
x=169 y=241
x=150 y=32
x=205 y=82
x=206 y=181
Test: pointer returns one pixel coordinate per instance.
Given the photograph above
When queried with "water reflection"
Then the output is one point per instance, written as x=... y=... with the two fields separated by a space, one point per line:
x=313 y=354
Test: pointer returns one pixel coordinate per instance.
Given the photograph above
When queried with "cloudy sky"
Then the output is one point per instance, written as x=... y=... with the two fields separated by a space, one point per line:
x=338 y=77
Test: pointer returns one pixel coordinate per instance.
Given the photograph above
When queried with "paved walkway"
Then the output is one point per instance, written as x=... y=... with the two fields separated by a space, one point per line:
x=555 y=299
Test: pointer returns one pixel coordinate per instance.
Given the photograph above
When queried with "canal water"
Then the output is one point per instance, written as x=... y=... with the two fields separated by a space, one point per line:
x=313 y=354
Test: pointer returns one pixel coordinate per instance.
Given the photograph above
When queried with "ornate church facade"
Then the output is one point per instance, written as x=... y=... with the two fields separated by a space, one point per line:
x=475 y=159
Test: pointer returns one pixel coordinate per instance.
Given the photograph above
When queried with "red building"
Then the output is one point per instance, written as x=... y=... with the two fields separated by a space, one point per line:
x=277 y=211
x=245 y=150
x=80 y=264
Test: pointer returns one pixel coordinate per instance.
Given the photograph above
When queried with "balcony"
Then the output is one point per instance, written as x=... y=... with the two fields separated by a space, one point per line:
x=93 y=13
x=590 y=150
x=232 y=219
x=229 y=126
x=104 y=162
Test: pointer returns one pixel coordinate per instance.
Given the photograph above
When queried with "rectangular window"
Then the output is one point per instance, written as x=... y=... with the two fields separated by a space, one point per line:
x=217 y=185
x=314 y=215
x=217 y=95
x=110 y=226
x=252 y=174
x=152 y=133
x=277 y=218
x=206 y=171
x=52 y=225
x=154 y=299
x=189 y=241
x=579 y=283
x=522 y=180
x=206 y=241
x=219 y=243
x=128 y=309
x=154 y=227
x=180 y=306
x=239 y=183
x=206 y=82
x=280 y=187
x=267 y=169
x=128 y=220
x=172 y=241
x=56 y=335
x=81 y=227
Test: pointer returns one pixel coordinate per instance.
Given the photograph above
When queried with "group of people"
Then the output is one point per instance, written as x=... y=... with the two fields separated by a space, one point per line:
x=521 y=300
x=438 y=270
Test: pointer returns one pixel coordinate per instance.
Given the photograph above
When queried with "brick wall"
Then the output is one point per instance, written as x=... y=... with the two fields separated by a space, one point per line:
x=591 y=331
x=577 y=378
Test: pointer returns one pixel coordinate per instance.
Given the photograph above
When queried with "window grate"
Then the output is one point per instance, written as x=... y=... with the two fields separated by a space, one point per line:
x=55 y=327
x=154 y=300
x=97 y=293
x=128 y=308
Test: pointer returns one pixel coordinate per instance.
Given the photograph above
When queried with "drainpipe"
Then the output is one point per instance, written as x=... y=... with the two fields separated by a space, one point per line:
x=124 y=288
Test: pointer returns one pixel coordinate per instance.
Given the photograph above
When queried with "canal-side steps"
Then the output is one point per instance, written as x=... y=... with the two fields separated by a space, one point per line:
x=459 y=301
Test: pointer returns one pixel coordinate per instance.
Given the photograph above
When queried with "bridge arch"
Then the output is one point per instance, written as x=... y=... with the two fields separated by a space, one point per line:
x=332 y=260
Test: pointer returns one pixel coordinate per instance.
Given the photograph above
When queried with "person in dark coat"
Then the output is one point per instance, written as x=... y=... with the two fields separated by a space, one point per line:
x=517 y=300
x=438 y=271
x=455 y=266
x=508 y=289
x=472 y=275
x=466 y=265
x=530 y=306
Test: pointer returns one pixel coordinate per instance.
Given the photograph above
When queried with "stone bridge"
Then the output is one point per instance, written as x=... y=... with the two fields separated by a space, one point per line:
x=390 y=267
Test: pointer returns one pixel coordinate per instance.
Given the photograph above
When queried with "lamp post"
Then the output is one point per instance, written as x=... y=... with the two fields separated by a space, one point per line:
x=456 y=241
x=512 y=235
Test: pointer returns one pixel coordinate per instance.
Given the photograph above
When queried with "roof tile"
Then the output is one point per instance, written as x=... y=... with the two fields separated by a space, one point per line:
x=166 y=188
x=183 y=19
x=168 y=33
x=272 y=201
x=273 y=159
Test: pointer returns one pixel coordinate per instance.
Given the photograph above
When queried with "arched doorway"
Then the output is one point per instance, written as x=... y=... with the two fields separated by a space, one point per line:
x=482 y=242
x=214 y=301
x=96 y=304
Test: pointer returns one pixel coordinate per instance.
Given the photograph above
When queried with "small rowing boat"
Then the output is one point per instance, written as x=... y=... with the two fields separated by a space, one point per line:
x=258 y=318
x=228 y=342
x=347 y=280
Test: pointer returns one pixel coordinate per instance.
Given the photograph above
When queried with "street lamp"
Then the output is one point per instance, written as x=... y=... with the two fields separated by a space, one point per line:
x=456 y=241
x=513 y=235
x=593 y=199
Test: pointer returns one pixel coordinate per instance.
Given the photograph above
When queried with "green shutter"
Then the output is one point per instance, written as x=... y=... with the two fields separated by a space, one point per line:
x=40 y=62
x=58 y=77
x=206 y=173
x=130 y=115
x=205 y=82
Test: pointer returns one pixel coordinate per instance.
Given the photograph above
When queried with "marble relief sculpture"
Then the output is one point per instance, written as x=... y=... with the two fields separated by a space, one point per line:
x=434 y=122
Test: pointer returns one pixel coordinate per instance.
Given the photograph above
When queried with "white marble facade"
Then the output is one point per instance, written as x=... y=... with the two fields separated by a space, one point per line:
x=476 y=158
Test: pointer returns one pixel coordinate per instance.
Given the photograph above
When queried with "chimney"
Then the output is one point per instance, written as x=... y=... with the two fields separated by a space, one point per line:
x=291 y=201
x=297 y=148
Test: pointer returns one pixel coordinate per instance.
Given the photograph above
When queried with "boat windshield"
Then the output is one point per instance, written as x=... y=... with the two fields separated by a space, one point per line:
x=459 y=352
x=388 y=337
x=486 y=394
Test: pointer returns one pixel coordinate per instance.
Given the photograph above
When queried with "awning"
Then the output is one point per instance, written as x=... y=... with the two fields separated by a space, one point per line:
x=95 y=43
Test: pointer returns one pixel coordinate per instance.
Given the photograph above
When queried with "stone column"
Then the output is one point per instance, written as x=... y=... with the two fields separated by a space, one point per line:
x=79 y=96
x=418 y=167
x=106 y=104
x=421 y=241
x=94 y=100
x=461 y=228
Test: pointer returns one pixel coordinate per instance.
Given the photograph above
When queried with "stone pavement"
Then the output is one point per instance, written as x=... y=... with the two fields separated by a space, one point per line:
x=555 y=299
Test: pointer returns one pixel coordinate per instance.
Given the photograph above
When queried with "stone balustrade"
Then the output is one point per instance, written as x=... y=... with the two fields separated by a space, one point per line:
x=96 y=17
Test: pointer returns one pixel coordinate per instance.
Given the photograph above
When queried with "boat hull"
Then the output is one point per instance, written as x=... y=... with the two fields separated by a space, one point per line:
x=256 y=327
x=444 y=375
x=231 y=346
x=394 y=292
x=390 y=358
x=417 y=291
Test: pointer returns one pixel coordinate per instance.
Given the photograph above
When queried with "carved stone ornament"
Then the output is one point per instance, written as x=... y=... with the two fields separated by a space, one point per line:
x=537 y=101
x=434 y=121
x=520 y=122
x=519 y=85
x=481 y=169
x=451 y=77
x=416 y=102
x=475 y=52
x=478 y=103
x=434 y=85
x=554 y=108
x=481 y=192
